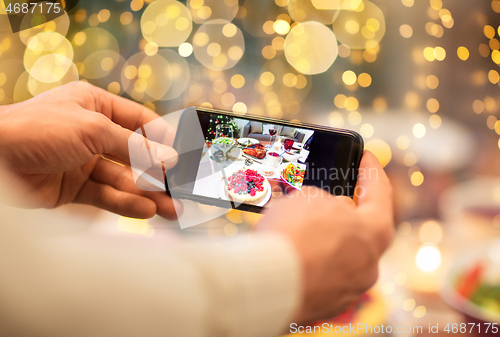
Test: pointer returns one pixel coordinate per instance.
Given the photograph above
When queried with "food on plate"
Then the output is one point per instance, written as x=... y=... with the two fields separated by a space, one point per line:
x=223 y=141
x=246 y=186
x=256 y=150
x=246 y=141
x=480 y=286
x=274 y=157
x=293 y=175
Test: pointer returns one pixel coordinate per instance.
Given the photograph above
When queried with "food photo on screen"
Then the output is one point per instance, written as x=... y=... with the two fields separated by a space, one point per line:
x=246 y=161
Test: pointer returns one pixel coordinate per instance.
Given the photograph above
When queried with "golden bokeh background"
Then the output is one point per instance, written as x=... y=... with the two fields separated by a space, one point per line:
x=419 y=80
x=346 y=63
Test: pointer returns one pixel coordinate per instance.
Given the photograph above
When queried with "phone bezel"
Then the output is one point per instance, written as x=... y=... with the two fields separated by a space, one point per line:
x=346 y=156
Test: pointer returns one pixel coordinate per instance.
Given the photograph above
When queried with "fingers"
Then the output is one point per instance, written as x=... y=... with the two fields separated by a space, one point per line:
x=124 y=112
x=346 y=200
x=145 y=153
x=132 y=116
x=151 y=137
x=374 y=189
x=105 y=137
x=121 y=178
x=168 y=208
x=119 y=202
x=375 y=202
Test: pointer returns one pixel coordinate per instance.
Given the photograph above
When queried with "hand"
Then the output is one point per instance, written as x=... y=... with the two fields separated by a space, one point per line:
x=339 y=243
x=54 y=142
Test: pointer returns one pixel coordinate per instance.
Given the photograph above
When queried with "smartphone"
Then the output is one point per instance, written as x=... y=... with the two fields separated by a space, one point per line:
x=244 y=162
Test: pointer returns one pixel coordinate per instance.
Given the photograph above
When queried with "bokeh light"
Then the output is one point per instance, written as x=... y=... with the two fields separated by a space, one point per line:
x=430 y=231
x=304 y=10
x=416 y=178
x=204 y=10
x=185 y=49
x=337 y=4
x=311 y=47
x=428 y=258
x=167 y=23
x=463 y=53
x=218 y=44
x=403 y=142
x=36 y=87
x=381 y=150
x=96 y=52
x=419 y=311
x=406 y=31
x=349 y=77
x=112 y=81
x=258 y=18
x=48 y=56
x=59 y=25
x=21 y=90
x=50 y=68
x=419 y=130
x=409 y=304
x=282 y=87
x=147 y=78
x=179 y=75
x=362 y=28
x=10 y=71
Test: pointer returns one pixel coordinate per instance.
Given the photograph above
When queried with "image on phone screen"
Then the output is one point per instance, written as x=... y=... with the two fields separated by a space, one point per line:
x=248 y=161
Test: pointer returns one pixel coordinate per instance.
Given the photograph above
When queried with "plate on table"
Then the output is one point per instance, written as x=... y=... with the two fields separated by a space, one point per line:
x=245 y=141
x=231 y=155
x=472 y=283
x=267 y=197
x=255 y=152
x=257 y=160
x=291 y=156
x=283 y=166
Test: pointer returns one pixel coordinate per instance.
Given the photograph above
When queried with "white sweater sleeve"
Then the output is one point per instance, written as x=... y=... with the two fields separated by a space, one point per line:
x=248 y=287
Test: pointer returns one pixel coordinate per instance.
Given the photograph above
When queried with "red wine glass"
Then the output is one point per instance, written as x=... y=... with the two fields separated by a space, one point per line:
x=288 y=144
x=272 y=132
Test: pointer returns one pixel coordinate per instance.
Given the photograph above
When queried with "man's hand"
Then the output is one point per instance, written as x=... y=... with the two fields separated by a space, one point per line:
x=54 y=143
x=339 y=243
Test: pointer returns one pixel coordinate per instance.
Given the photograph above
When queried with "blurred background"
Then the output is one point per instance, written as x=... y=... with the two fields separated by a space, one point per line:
x=419 y=80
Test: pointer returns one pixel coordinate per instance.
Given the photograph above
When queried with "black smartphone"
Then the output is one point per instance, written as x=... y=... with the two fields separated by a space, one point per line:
x=242 y=162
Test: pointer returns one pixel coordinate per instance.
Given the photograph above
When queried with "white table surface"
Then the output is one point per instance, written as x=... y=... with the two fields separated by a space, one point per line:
x=209 y=177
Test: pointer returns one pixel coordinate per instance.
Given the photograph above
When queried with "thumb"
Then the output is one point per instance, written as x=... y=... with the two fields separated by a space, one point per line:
x=130 y=147
x=145 y=153
x=374 y=187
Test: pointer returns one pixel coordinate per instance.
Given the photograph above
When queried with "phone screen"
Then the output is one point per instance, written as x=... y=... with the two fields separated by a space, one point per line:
x=247 y=162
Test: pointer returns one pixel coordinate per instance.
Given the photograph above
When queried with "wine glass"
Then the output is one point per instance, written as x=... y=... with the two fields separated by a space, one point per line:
x=268 y=166
x=288 y=144
x=272 y=132
x=224 y=141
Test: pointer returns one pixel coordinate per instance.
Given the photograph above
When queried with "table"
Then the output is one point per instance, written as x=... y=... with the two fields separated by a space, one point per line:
x=209 y=176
